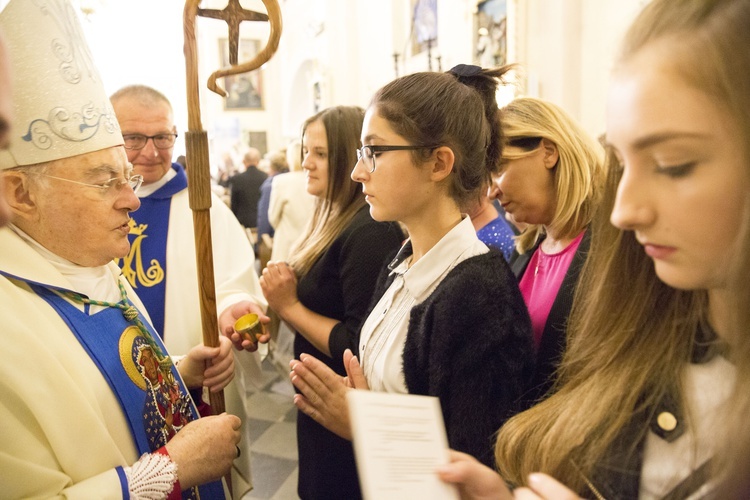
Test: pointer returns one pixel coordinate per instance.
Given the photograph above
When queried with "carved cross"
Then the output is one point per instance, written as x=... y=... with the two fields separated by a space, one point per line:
x=233 y=14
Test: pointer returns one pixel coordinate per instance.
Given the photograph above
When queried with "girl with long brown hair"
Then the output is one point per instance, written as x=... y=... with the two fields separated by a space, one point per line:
x=324 y=289
x=655 y=368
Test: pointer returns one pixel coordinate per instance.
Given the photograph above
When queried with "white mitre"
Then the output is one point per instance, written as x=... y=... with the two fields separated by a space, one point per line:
x=60 y=106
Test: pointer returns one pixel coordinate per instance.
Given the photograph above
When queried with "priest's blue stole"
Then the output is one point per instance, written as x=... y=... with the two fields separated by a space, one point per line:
x=145 y=266
x=139 y=372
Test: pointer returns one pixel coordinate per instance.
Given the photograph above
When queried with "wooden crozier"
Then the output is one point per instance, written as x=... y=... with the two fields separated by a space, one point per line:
x=198 y=172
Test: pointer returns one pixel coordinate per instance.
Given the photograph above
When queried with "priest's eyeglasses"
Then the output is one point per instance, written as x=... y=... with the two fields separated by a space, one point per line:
x=138 y=141
x=112 y=187
x=367 y=154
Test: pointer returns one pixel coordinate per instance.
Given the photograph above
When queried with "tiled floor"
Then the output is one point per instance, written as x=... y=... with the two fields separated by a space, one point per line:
x=272 y=427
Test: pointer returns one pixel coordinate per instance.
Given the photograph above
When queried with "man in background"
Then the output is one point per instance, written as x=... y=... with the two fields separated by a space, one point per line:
x=244 y=189
x=277 y=164
x=161 y=265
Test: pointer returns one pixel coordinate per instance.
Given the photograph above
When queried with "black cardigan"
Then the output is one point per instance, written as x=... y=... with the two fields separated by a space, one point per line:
x=469 y=344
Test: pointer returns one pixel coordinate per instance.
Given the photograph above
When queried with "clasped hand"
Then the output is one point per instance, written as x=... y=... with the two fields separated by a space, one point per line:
x=279 y=285
x=323 y=392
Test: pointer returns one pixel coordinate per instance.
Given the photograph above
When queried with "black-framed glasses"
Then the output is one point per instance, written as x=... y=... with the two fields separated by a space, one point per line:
x=367 y=153
x=138 y=141
x=111 y=187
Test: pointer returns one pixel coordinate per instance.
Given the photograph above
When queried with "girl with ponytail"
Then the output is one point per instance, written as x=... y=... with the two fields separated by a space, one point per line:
x=448 y=319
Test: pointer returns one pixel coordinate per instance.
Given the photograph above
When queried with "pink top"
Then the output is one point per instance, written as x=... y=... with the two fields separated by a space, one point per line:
x=541 y=281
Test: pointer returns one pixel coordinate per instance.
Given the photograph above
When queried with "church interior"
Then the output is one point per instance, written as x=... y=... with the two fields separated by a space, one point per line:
x=338 y=53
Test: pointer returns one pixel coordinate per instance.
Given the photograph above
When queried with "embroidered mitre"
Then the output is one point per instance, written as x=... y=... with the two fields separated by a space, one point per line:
x=59 y=103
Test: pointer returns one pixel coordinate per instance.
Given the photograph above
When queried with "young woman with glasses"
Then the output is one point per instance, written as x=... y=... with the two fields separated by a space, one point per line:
x=325 y=288
x=450 y=321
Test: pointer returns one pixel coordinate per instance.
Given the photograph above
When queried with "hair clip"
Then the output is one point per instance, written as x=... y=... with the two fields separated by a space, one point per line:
x=465 y=70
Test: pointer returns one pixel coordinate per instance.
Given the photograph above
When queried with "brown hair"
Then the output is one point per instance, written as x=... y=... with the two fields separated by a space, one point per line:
x=630 y=333
x=456 y=109
x=343 y=197
x=735 y=459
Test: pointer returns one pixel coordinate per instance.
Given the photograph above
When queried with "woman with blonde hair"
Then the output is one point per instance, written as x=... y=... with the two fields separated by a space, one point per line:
x=551 y=180
x=653 y=391
x=325 y=288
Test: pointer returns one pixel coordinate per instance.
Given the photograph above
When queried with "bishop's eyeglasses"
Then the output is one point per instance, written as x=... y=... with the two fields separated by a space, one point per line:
x=367 y=154
x=109 y=188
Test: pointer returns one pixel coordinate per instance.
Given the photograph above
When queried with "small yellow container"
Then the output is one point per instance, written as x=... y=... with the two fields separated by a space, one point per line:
x=249 y=327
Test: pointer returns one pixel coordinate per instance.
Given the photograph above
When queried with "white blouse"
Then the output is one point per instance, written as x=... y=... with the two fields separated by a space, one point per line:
x=383 y=334
x=707 y=389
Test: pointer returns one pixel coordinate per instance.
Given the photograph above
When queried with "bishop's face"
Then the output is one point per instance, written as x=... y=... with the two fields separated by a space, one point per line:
x=84 y=224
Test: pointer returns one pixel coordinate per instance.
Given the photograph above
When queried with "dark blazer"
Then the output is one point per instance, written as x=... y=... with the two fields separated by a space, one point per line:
x=553 y=339
x=244 y=195
x=617 y=475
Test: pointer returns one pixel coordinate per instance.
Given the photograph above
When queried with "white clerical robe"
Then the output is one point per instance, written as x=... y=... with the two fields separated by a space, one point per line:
x=235 y=279
x=62 y=430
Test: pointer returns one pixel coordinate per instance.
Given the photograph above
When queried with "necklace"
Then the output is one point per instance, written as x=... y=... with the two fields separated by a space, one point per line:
x=539 y=262
x=129 y=311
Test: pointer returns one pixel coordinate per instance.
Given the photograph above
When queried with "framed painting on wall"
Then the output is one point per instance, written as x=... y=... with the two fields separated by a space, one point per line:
x=491 y=34
x=424 y=25
x=244 y=91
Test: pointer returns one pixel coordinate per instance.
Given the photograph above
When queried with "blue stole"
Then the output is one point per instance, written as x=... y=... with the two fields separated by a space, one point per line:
x=145 y=266
x=139 y=372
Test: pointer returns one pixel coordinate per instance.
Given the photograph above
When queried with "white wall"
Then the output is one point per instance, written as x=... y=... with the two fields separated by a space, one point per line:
x=566 y=48
x=130 y=48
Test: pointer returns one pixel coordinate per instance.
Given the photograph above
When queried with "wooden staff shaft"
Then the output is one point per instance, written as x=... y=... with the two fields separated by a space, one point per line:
x=199 y=192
